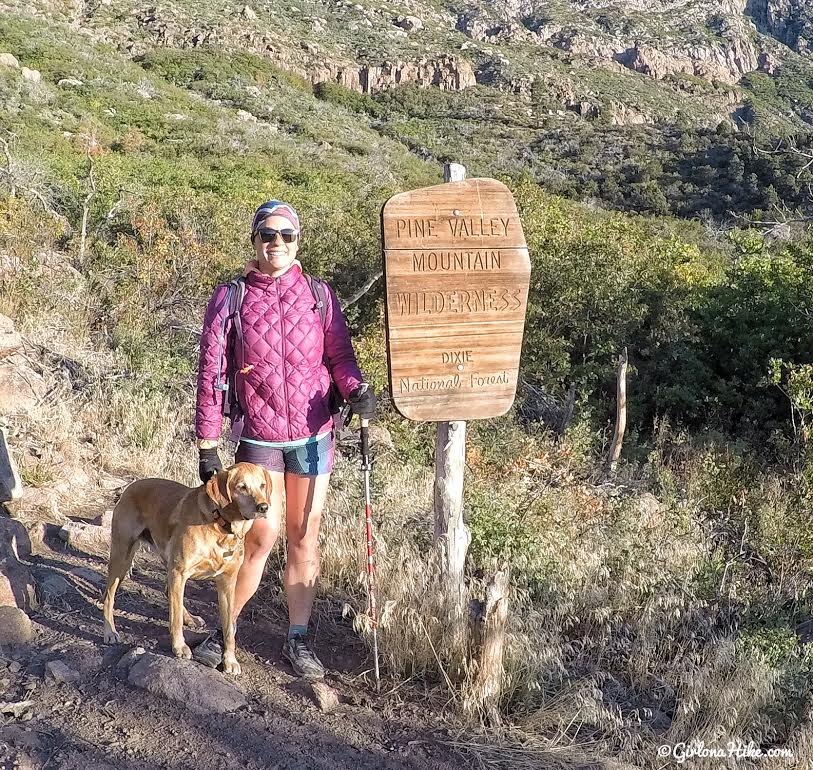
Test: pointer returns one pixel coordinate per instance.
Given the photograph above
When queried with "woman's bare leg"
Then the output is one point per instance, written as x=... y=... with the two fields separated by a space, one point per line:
x=304 y=500
x=260 y=540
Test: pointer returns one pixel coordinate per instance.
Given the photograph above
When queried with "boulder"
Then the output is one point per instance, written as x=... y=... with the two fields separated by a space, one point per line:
x=33 y=76
x=15 y=627
x=10 y=340
x=201 y=690
x=409 y=23
x=17 y=587
x=9 y=60
x=88 y=538
x=21 y=388
x=15 y=540
x=53 y=588
x=70 y=83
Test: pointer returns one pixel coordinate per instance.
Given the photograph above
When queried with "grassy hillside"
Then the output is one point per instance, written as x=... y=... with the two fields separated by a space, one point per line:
x=656 y=607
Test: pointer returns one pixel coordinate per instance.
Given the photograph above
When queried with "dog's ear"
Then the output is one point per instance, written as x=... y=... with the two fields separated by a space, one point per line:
x=218 y=489
x=269 y=485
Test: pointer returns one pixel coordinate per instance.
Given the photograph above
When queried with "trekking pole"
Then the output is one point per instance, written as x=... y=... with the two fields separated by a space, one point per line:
x=368 y=517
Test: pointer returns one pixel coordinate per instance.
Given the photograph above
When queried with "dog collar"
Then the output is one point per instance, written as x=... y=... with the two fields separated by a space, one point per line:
x=223 y=523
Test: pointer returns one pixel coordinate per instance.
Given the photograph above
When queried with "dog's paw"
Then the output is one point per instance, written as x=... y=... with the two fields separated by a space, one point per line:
x=232 y=667
x=111 y=637
x=195 y=622
x=182 y=651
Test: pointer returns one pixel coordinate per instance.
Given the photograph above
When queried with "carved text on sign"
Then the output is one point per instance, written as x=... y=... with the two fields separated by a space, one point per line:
x=455 y=260
x=457 y=227
x=471 y=381
x=499 y=300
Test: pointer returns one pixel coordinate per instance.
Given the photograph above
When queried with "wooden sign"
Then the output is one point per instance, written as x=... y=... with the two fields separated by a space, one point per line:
x=457 y=273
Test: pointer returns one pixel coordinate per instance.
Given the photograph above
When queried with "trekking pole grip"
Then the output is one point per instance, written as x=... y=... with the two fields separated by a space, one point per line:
x=365 y=440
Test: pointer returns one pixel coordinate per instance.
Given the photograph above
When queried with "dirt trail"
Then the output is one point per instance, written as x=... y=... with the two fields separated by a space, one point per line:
x=100 y=721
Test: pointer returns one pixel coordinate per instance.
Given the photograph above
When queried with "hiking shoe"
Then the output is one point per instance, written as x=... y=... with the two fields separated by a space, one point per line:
x=210 y=651
x=302 y=658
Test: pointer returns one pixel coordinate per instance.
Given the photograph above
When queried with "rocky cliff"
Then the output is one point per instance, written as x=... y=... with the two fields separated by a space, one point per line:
x=698 y=49
x=789 y=21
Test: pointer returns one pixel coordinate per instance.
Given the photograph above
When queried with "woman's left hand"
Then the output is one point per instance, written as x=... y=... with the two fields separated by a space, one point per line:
x=362 y=401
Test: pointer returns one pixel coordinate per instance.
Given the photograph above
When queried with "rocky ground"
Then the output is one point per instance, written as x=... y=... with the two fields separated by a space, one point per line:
x=68 y=702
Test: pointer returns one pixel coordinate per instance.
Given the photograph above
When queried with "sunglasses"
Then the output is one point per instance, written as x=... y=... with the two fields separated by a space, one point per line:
x=268 y=234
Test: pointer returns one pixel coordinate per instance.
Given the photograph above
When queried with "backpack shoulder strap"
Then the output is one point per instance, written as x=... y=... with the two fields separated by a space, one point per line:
x=317 y=286
x=235 y=293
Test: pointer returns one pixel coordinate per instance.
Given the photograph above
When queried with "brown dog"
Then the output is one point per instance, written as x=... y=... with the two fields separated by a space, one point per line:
x=199 y=533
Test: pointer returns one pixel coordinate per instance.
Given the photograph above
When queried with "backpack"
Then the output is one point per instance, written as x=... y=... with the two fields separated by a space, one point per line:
x=339 y=407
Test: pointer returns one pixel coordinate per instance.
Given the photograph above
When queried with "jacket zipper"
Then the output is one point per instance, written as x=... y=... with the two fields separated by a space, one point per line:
x=284 y=362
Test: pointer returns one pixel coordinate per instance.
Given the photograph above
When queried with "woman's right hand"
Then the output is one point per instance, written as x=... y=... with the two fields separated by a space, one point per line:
x=208 y=463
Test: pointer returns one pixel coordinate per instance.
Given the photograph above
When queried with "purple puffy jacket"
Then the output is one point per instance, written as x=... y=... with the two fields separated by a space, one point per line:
x=284 y=385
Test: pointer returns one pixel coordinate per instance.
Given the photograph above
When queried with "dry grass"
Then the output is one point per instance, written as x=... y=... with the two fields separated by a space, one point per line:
x=610 y=649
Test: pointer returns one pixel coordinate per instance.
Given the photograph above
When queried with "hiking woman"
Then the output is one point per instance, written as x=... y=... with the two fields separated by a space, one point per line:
x=288 y=347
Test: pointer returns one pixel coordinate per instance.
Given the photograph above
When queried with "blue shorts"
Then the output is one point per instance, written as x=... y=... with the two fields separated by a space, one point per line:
x=314 y=459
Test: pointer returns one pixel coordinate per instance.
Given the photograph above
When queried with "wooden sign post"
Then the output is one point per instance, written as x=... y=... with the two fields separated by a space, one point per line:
x=457 y=273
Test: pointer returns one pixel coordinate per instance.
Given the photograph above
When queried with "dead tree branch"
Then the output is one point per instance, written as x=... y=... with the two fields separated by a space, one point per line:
x=8 y=169
x=86 y=210
x=621 y=413
x=362 y=291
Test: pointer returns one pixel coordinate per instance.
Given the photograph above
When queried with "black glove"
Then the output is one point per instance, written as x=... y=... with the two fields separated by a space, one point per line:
x=208 y=463
x=362 y=401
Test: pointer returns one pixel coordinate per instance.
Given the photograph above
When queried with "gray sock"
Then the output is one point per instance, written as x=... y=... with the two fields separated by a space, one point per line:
x=297 y=631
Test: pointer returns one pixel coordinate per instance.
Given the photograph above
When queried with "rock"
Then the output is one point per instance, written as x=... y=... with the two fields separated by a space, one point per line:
x=789 y=21
x=70 y=83
x=105 y=520
x=380 y=437
x=17 y=587
x=246 y=117
x=726 y=62
x=10 y=340
x=86 y=537
x=15 y=627
x=59 y=671
x=199 y=689
x=33 y=76
x=18 y=710
x=409 y=23
x=248 y=13
x=768 y=63
x=8 y=60
x=53 y=589
x=19 y=737
x=21 y=388
x=448 y=73
x=129 y=658
x=15 y=539
x=326 y=697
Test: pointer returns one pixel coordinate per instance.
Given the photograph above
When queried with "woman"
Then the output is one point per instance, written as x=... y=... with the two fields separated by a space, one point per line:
x=288 y=352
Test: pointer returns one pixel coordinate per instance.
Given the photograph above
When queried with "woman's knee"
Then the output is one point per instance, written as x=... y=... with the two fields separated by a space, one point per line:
x=261 y=539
